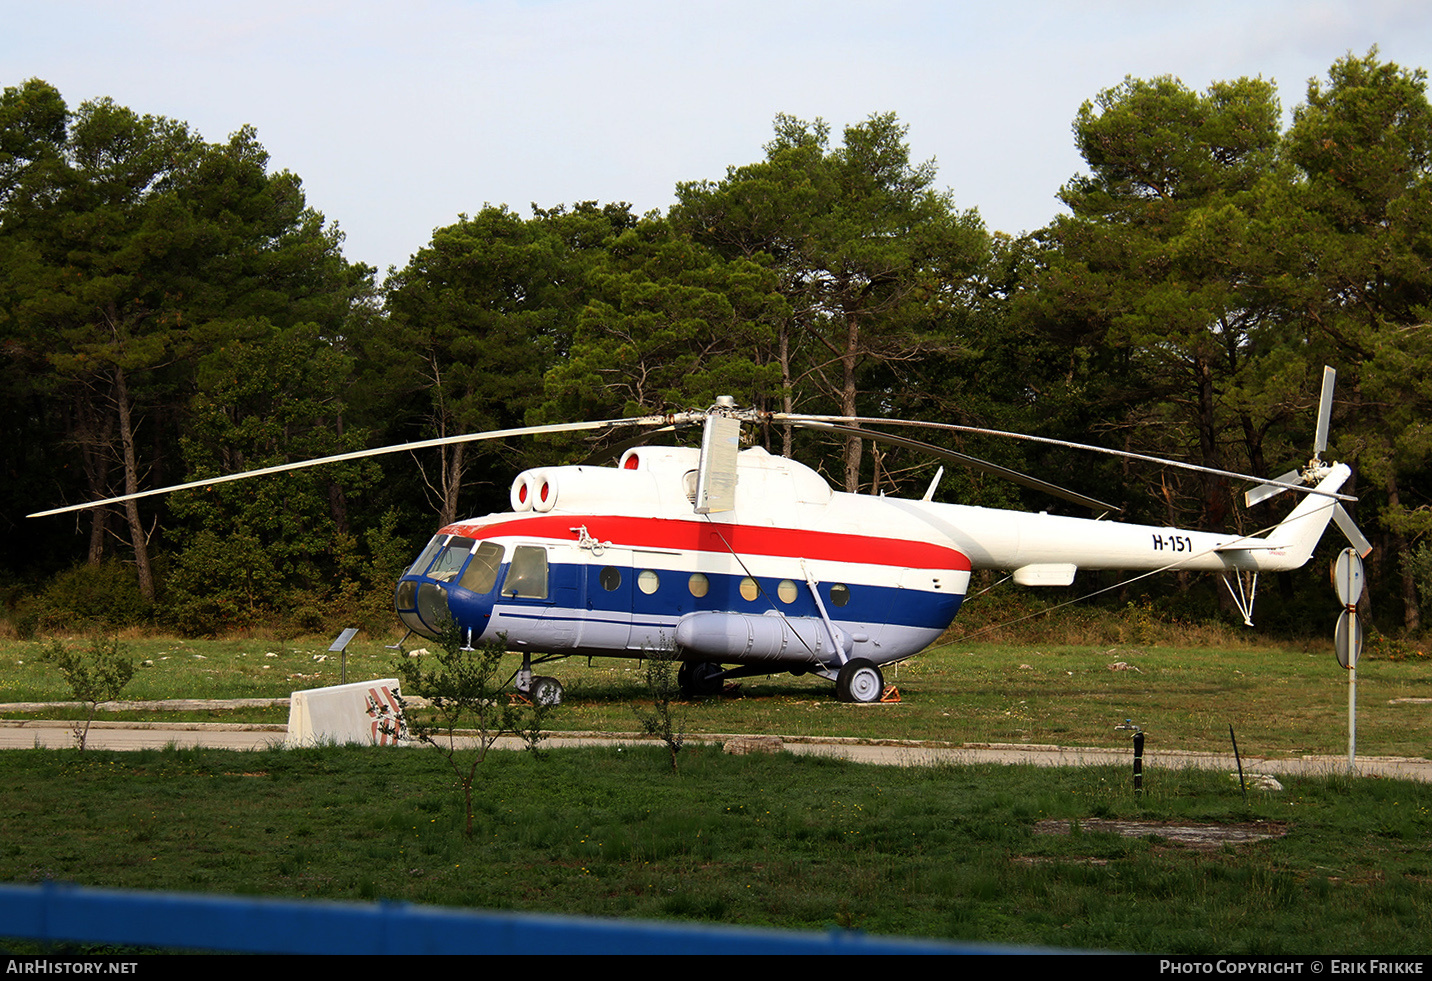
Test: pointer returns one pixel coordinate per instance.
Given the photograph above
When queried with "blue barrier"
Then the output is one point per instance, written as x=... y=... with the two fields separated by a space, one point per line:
x=61 y=913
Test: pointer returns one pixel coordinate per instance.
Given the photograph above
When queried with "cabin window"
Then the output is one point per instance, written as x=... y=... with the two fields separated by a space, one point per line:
x=786 y=591
x=749 y=589
x=610 y=578
x=481 y=573
x=451 y=558
x=698 y=584
x=648 y=581
x=840 y=594
x=528 y=575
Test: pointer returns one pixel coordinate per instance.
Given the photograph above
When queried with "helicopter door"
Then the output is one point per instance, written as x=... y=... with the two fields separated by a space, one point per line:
x=527 y=574
x=607 y=594
x=541 y=597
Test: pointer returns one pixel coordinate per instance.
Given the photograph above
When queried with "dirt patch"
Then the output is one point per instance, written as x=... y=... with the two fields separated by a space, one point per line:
x=1208 y=837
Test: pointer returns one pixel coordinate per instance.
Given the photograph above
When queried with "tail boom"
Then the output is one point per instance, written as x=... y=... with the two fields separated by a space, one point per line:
x=1291 y=543
x=1043 y=549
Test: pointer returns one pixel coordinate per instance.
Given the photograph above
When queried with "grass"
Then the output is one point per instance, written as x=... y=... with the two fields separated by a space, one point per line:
x=1280 y=700
x=954 y=852
x=794 y=842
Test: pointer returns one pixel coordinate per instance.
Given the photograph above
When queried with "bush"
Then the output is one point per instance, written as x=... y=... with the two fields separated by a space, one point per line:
x=237 y=583
x=86 y=598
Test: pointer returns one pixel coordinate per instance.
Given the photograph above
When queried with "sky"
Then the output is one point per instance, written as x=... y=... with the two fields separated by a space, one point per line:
x=399 y=117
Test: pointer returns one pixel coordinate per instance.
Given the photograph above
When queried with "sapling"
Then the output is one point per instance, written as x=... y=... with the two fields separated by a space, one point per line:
x=663 y=719
x=95 y=675
x=463 y=685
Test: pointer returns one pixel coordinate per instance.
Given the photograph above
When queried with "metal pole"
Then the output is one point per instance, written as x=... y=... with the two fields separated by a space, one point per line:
x=340 y=645
x=1139 y=763
x=1352 y=717
x=1239 y=759
x=1129 y=726
x=1349 y=584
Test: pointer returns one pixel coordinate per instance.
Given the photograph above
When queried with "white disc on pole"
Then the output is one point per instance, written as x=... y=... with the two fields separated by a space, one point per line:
x=1348 y=577
x=1347 y=638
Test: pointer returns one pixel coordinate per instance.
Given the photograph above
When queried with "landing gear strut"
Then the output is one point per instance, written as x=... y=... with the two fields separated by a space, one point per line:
x=539 y=688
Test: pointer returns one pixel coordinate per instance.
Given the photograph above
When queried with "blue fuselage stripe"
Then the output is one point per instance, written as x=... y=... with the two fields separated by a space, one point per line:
x=589 y=608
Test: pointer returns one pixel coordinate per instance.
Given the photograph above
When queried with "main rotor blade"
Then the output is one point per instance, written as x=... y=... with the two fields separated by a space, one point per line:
x=796 y=419
x=974 y=462
x=565 y=427
x=614 y=452
x=1325 y=411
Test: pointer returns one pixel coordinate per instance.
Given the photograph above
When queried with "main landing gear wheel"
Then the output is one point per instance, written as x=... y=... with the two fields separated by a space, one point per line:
x=699 y=679
x=859 y=681
x=545 y=691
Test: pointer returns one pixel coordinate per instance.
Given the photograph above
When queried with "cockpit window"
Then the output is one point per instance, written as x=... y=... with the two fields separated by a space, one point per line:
x=450 y=560
x=420 y=565
x=481 y=572
x=528 y=575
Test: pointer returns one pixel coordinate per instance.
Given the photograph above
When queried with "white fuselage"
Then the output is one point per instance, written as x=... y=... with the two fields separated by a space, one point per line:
x=613 y=561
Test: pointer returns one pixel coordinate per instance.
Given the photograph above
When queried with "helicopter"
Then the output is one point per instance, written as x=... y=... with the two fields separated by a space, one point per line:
x=742 y=563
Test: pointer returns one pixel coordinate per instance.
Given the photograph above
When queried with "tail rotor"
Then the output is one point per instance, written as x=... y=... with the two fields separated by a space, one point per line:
x=1315 y=470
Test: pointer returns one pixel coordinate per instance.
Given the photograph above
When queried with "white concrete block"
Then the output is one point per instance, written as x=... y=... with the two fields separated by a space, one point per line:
x=355 y=713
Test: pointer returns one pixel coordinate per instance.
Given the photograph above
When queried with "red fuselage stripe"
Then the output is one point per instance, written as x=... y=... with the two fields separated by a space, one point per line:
x=701 y=536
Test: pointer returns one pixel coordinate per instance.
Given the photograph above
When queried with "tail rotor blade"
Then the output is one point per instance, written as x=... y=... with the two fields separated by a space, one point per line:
x=1325 y=411
x=1347 y=526
x=1262 y=492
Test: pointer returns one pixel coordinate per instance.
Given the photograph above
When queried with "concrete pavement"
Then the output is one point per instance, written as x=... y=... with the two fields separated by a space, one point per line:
x=24 y=734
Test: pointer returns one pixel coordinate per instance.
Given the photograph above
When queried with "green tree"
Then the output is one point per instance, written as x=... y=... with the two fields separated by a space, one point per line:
x=265 y=397
x=32 y=137
x=866 y=251
x=668 y=325
x=992 y=370
x=475 y=320
x=463 y=686
x=95 y=302
x=1155 y=279
x=1359 y=234
x=136 y=234
x=32 y=421
x=94 y=676
x=663 y=720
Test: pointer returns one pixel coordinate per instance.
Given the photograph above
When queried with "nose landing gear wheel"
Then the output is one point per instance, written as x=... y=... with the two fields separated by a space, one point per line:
x=546 y=691
x=859 y=681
